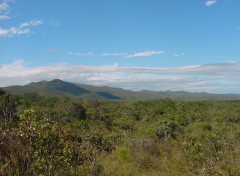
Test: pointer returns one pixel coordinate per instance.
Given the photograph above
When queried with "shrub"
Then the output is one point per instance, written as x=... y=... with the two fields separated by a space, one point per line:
x=124 y=154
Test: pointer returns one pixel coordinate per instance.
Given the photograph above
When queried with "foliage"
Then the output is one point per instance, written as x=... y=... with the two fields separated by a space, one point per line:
x=124 y=154
x=8 y=106
x=62 y=136
x=47 y=148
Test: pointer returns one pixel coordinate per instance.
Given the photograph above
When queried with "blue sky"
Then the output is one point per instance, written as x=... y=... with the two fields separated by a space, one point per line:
x=191 y=45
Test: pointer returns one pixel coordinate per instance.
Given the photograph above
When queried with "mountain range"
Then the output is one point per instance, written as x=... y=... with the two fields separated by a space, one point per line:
x=61 y=88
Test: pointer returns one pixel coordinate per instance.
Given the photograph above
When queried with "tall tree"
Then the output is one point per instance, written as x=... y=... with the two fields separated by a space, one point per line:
x=7 y=106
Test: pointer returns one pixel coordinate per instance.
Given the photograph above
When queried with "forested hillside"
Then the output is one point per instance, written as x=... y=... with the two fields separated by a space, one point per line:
x=61 y=88
x=42 y=135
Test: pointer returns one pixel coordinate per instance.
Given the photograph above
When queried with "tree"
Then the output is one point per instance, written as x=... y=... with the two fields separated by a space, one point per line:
x=8 y=106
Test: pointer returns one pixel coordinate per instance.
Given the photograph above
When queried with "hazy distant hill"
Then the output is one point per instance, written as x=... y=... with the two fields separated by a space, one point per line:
x=58 y=87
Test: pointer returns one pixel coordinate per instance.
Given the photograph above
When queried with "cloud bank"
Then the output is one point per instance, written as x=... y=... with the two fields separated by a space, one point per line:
x=213 y=78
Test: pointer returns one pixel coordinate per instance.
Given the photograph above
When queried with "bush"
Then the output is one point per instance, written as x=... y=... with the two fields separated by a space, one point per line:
x=45 y=147
x=124 y=154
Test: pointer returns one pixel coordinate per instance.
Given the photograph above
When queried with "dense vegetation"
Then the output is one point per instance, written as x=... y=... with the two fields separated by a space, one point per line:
x=42 y=135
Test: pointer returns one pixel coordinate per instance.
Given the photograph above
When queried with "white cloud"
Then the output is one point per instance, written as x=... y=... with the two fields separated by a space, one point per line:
x=4 y=11
x=145 y=54
x=70 y=53
x=179 y=55
x=23 y=28
x=218 y=78
x=2 y=17
x=210 y=2
x=113 y=54
x=54 y=23
x=3 y=6
x=34 y=22
x=13 y=31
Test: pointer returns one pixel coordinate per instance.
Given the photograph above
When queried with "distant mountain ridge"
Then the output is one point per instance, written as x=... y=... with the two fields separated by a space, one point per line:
x=61 y=88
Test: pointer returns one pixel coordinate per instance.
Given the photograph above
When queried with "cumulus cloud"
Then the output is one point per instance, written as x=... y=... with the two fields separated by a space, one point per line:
x=145 y=54
x=70 y=53
x=217 y=78
x=210 y=2
x=23 y=28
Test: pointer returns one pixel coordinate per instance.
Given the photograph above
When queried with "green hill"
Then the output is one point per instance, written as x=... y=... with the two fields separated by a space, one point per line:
x=61 y=88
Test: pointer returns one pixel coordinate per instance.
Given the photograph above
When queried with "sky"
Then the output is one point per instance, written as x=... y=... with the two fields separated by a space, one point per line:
x=159 y=45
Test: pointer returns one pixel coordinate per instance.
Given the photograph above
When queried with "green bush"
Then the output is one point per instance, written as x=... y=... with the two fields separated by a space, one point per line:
x=124 y=154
